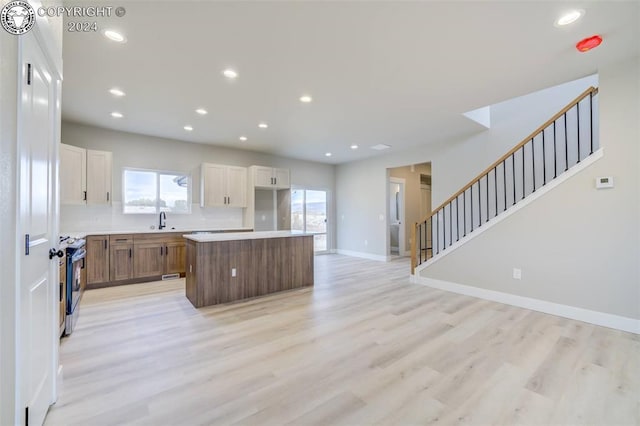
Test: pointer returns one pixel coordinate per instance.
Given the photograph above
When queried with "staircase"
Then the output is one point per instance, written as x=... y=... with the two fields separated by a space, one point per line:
x=552 y=149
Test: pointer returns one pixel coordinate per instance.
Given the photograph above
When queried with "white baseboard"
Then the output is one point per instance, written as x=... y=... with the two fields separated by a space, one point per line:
x=592 y=317
x=363 y=255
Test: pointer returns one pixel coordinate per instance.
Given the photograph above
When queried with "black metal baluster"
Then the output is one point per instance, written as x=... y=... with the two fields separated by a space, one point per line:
x=555 y=153
x=495 y=188
x=513 y=175
x=487 y=180
x=457 y=219
x=464 y=212
x=450 y=223
x=591 y=121
x=533 y=162
x=432 y=244
x=578 y=127
x=566 y=144
x=438 y=231
x=504 y=181
x=444 y=228
x=479 y=204
x=420 y=244
x=544 y=162
x=471 y=193
x=523 y=172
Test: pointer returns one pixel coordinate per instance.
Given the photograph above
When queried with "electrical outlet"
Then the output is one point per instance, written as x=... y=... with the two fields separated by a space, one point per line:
x=233 y=272
x=517 y=273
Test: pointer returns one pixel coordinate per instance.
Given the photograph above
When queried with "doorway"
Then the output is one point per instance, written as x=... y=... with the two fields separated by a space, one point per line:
x=396 y=216
x=309 y=215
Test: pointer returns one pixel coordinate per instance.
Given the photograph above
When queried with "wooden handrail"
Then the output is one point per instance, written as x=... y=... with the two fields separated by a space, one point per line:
x=590 y=90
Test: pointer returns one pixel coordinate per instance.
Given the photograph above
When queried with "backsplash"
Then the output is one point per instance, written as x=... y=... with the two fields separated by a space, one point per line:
x=92 y=219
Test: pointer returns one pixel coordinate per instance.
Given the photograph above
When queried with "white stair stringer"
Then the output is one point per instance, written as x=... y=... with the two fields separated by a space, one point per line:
x=540 y=192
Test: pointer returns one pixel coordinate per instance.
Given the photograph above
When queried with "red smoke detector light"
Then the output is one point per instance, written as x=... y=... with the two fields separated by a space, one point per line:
x=589 y=43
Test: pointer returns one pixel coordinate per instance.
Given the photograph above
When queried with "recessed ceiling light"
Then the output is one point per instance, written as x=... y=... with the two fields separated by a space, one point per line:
x=243 y=138
x=381 y=147
x=115 y=36
x=188 y=128
x=116 y=92
x=229 y=73
x=327 y=154
x=263 y=125
x=116 y=114
x=306 y=99
x=201 y=111
x=354 y=146
x=569 y=17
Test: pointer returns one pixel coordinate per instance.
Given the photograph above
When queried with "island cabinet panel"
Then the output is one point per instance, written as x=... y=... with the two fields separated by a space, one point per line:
x=226 y=271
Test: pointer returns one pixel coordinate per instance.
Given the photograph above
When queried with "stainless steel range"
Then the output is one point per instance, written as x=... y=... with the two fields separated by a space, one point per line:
x=76 y=254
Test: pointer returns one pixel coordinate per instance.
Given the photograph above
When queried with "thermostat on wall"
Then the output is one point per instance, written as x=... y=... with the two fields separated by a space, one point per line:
x=604 y=182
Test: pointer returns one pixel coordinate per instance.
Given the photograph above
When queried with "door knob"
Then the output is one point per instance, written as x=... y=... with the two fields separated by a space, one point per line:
x=53 y=253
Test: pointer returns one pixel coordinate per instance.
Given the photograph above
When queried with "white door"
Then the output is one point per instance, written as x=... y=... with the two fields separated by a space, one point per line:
x=396 y=217
x=37 y=350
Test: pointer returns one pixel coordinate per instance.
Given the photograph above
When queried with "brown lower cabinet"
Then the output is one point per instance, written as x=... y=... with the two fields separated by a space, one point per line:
x=130 y=258
x=120 y=257
x=97 y=259
x=158 y=255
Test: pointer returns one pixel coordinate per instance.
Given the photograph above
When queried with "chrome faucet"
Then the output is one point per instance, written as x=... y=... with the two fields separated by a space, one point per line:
x=163 y=220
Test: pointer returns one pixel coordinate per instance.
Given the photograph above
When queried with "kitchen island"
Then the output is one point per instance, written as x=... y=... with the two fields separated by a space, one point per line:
x=223 y=268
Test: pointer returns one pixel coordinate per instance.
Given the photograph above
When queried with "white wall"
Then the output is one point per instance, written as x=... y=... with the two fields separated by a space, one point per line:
x=361 y=186
x=576 y=245
x=133 y=150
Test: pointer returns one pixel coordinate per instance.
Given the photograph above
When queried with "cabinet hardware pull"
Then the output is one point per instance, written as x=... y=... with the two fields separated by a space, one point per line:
x=105 y=244
x=85 y=195
x=130 y=253
x=160 y=250
x=228 y=200
x=107 y=196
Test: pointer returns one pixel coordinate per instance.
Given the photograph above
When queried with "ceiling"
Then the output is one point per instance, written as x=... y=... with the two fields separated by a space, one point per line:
x=396 y=73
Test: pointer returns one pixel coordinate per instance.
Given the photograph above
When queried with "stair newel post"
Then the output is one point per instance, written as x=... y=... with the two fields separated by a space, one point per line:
x=413 y=247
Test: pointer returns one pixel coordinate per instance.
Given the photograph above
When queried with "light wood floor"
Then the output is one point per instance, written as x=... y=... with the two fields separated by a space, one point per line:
x=364 y=346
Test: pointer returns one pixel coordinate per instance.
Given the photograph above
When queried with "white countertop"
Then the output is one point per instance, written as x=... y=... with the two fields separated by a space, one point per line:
x=233 y=236
x=82 y=234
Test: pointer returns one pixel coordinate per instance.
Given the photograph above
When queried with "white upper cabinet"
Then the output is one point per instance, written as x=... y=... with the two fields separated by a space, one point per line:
x=73 y=175
x=269 y=177
x=223 y=186
x=99 y=167
x=85 y=175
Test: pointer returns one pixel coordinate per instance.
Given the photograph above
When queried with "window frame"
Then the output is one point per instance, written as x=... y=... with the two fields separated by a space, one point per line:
x=158 y=173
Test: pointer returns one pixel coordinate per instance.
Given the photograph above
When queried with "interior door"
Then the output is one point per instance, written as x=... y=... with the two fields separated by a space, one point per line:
x=396 y=216
x=38 y=224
